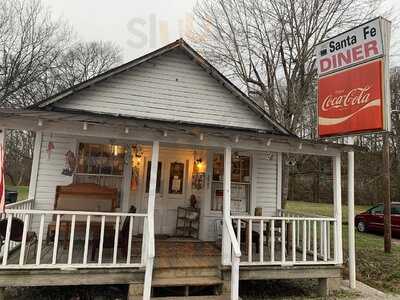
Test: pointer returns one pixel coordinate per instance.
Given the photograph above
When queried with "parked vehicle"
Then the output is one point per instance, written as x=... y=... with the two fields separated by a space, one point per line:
x=11 y=196
x=372 y=219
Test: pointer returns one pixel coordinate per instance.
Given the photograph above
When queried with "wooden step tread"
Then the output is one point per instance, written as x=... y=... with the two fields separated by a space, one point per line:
x=184 y=281
x=224 y=297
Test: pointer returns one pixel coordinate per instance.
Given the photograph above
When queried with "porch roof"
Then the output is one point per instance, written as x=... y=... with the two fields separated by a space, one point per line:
x=139 y=130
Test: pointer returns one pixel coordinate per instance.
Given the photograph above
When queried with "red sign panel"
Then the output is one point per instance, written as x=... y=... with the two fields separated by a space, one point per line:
x=351 y=101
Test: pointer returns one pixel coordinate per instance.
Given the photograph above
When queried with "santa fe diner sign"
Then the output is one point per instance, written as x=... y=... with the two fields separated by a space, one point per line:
x=353 y=83
x=352 y=47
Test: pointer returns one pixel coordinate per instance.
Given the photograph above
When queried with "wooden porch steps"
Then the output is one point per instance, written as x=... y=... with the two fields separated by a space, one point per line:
x=188 y=272
x=187 y=281
x=224 y=297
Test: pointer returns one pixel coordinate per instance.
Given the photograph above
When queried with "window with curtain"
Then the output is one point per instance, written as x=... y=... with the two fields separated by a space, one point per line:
x=101 y=159
x=240 y=186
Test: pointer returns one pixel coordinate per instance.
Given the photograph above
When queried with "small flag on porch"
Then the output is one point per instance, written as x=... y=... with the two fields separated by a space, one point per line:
x=2 y=180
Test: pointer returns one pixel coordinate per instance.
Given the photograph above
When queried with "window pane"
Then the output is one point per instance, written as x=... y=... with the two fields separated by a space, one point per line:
x=101 y=159
x=377 y=210
x=396 y=209
x=176 y=178
x=218 y=167
x=241 y=183
x=158 y=184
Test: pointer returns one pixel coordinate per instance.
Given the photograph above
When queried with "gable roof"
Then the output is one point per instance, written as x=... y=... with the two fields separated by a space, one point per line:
x=50 y=103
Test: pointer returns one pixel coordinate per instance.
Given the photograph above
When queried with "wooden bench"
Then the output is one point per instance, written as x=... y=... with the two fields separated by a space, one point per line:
x=82 y=197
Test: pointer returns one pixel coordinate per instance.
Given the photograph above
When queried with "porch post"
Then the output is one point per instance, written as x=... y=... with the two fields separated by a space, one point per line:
x=350 y=200
x=279 y=183
x=126 y=188
x=35 y=166
x=226 y=243
x=2 y=145
x=150 y=222
x=337 y=202
x=2 y=136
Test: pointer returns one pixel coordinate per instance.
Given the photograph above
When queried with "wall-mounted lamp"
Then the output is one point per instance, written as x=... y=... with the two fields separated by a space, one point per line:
x=199 y=166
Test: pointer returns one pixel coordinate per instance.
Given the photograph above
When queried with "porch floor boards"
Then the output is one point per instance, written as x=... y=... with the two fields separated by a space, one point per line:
x=186 y=254
x=77 y=256
x=170 y=253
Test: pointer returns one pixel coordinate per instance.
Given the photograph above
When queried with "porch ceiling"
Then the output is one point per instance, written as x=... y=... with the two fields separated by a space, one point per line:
x=173 y=133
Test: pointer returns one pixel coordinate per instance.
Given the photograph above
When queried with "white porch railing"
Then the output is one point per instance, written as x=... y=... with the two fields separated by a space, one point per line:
x=82 y=231
x=25 y=204
x=236 y=253
x=286 y=240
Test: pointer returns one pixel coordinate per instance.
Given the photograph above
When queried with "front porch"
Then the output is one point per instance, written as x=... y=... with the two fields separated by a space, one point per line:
x=307 y=241
x=185 y=266
x=243 y=234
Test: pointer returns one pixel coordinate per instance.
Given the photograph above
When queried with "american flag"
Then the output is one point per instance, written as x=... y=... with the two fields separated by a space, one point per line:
x=2 y=180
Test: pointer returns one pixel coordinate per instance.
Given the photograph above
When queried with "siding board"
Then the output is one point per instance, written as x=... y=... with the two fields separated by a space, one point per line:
x=49 y=173
x=169 y=88
x=265 y=183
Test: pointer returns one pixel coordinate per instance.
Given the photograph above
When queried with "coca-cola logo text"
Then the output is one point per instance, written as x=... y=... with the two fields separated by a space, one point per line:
x=357 y=96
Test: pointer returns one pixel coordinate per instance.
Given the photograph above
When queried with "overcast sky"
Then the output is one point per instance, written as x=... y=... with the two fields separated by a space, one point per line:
x=132 y=24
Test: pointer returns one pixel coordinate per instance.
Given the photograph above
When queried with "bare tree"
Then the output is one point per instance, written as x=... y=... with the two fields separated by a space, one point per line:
x=85 y=60
x=30 y=43
x=19 y=153
x=268 y=47
x=38 y=59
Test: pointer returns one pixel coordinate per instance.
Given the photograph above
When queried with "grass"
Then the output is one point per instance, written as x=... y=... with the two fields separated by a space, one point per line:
x=324 y=209
x=374 y=267
x=22 y=191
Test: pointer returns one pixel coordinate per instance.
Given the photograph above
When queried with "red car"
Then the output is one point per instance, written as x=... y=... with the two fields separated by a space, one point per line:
x=372 y=219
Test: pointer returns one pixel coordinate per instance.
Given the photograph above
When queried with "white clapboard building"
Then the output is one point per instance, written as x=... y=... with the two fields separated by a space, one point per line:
x=206 y=215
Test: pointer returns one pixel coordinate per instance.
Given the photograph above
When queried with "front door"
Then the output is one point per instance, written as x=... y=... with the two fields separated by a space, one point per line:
x=173 y=188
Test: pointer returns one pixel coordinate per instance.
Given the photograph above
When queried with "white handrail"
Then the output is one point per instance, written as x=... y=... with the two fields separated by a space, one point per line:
x=236 y=254
x=72 y=212
x=232 y=236
x=298 y=240
x=70 y=234
x=19 y=203
x=284 y=218
x=24 y=204
x=297 y=214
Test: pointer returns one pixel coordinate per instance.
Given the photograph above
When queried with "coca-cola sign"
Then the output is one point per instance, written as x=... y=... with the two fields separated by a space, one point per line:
x=351 y=101
x=353 y=97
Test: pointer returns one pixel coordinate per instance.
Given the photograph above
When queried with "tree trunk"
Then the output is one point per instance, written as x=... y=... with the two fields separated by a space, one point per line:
x=386 y=194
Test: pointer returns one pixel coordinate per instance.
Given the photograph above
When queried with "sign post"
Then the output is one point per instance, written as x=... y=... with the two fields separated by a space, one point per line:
x=354 y=98
x=386 y=194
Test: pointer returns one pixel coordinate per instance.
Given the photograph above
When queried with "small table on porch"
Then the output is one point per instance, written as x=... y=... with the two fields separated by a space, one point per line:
x=266 y=232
